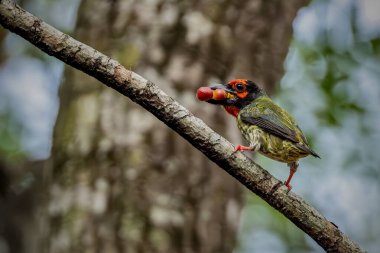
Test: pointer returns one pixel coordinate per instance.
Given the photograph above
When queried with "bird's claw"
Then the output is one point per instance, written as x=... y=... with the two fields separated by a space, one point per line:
x=237 y=148
x=288 y=186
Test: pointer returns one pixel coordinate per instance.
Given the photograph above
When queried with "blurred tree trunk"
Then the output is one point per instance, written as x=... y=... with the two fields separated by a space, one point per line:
x=19 y=191
x=121 y=181
x=3 y=34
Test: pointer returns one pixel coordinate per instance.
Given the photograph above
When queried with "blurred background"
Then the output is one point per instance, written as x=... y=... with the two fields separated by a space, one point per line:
x=82 y=169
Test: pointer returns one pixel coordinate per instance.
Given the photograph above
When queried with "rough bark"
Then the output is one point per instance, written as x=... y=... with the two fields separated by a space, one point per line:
x=149 y=96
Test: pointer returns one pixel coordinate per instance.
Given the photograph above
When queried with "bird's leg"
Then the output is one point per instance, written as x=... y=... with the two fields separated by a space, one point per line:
x=242 y=148
x=252 y=147
x=293 y=168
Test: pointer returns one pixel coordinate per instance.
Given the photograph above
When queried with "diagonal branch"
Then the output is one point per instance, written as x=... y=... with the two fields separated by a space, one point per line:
x=166 y=109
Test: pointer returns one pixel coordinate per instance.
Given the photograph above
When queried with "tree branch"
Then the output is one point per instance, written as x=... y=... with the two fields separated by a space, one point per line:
x=166 y=109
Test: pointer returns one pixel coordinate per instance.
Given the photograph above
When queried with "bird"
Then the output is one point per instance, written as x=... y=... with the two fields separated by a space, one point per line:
x=268 y=128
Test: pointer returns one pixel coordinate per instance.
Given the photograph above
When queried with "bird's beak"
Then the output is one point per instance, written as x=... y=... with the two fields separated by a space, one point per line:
x=215 y=94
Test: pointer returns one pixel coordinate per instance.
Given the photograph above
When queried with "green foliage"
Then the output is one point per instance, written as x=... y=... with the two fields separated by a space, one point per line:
x=331 y=71
x=10 y=145
x=375 y=46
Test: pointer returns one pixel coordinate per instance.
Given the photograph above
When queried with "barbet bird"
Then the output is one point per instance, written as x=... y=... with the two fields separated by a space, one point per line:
x=267 y=127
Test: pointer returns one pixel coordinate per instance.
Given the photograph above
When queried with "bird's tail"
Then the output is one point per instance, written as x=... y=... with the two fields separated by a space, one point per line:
x=307 y=150
x=313 y=153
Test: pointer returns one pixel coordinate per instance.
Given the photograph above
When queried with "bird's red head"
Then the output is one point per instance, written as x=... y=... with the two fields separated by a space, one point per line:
x=233 y=96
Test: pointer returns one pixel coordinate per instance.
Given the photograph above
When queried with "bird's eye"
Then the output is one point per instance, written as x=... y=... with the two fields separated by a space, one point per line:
x=240 y=87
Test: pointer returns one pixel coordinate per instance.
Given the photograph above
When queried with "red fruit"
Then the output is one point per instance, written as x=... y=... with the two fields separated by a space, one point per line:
x=204 y=93
x=219 y=94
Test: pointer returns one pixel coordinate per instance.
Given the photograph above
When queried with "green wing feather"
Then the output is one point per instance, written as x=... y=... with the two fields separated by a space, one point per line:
x=264 y=113
x=271 y=125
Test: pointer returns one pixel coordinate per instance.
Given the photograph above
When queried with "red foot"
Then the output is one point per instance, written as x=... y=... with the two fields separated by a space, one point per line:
x=289 y=187
x=242 y=148
x=293 y=169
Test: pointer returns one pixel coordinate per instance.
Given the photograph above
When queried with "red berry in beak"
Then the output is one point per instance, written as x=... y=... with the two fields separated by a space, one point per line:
x=204 y=93
x=219 y=94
